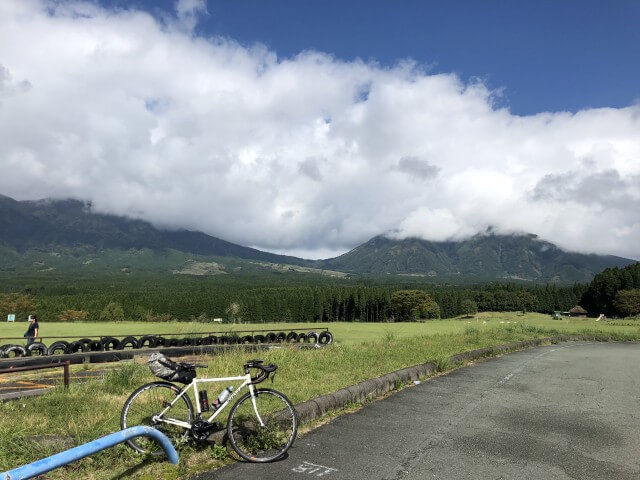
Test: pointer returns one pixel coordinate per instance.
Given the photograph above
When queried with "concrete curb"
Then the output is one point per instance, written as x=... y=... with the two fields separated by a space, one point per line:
x=377 y=387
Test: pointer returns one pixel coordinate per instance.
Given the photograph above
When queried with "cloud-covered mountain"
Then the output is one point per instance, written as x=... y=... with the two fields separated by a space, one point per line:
x=486 y=257
x=47 y=224
x=70 y=227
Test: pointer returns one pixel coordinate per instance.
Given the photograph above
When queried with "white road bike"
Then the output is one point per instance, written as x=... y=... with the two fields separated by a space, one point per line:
x=261 y=426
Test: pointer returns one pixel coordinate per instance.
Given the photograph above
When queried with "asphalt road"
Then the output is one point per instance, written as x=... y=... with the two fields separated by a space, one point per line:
x=558 y=412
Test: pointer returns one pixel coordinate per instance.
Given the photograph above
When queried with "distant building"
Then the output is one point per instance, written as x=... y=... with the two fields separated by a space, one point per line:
x=578 y=311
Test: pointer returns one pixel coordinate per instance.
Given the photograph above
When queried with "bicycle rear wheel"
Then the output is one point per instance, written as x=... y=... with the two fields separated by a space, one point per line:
x=150 y=400
x=265 y=441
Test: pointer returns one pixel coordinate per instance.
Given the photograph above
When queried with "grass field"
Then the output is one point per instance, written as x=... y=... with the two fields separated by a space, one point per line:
x=344 y=333
x=33 y=428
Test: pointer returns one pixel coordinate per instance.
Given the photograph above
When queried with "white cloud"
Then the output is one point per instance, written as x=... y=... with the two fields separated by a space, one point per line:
x=305 y=154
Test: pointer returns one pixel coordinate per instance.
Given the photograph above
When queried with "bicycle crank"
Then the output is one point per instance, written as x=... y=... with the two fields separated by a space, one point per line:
x=201 y=429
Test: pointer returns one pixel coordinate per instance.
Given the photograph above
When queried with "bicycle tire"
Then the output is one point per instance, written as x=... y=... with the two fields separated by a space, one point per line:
x=149 y=400
x=269 y=442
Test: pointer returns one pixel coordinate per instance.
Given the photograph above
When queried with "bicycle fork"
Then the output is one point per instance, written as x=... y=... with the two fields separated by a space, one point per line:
x=255 y=406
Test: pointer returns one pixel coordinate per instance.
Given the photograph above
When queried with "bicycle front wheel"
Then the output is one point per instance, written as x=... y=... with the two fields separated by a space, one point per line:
x=263 y=433
x=148 y=401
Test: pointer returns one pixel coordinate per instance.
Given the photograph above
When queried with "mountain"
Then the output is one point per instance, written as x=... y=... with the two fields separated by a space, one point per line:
x=67 y=236
x=47 y=224
x=484 y=257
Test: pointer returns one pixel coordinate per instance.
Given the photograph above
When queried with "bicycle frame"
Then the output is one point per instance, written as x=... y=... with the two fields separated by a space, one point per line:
x=194 y=384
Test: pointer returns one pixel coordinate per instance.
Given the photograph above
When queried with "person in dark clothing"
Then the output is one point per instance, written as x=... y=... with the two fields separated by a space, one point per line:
x=32 y=331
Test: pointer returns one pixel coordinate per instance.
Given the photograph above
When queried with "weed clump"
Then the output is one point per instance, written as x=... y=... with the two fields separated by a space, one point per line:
x=126 y=378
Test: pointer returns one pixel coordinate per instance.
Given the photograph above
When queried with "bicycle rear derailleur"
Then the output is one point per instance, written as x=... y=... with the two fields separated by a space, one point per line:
x=201 y=429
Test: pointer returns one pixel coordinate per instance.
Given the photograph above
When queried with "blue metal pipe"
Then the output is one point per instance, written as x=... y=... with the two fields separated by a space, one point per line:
x=59 y=459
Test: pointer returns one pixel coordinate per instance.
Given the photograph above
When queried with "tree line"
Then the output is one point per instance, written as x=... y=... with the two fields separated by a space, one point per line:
x=204 y=301
x=614 y=291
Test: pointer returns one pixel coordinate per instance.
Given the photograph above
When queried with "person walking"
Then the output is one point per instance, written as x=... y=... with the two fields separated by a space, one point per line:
x=32 y=331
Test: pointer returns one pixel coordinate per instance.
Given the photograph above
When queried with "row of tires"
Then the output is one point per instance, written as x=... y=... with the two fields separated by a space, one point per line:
x=154 y=341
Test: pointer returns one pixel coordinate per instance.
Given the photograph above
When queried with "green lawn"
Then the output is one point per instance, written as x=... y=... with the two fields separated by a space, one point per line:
x=33 y=428
x=344 y=333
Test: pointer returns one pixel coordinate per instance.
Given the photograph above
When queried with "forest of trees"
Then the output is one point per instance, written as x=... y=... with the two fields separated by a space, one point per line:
x=153 y=300
x=614 y=291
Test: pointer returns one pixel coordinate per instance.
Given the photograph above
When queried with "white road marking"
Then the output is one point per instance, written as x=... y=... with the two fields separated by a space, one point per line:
x=313 y=469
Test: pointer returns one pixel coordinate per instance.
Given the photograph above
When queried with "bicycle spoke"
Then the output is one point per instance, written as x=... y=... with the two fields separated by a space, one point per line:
x=264 y=441
x=149 y=401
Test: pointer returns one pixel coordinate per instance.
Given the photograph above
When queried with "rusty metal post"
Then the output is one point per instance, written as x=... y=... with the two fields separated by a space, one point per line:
x=66 y=373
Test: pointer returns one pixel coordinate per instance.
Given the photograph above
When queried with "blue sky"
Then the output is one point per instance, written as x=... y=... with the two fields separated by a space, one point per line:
x=247 y=120
x=548 y=55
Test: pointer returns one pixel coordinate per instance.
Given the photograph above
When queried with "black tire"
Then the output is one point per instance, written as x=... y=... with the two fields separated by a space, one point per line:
x=95 y=346
x=197 y=341
x=16 y=350
x=110 y=343
x=78 y=346
x=37 y=348
x=86 y=341
x=59 y=348
x=210 y=340
x=186 y=342
x=325 y=338
x=2 y=347
x=234 y=340
x=302 y=337
x=246 y=339
x=130 y=341
x=271 y=337
x=292 y=337
x=173 y=342
x=150 y=400
x=312 y=337
x=281 y=337
x=279 y=430
x=161 y=342
x=147 y=341
x=258 y=339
